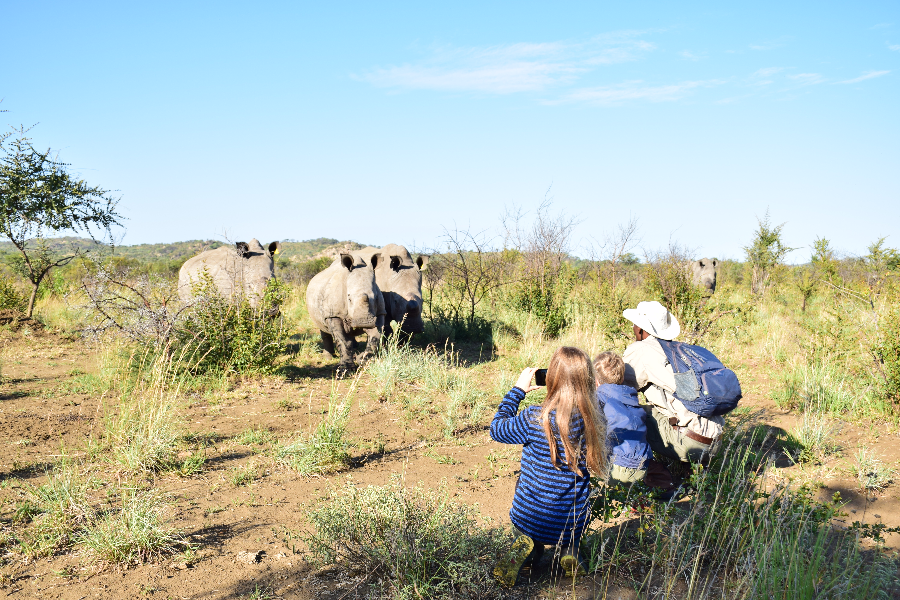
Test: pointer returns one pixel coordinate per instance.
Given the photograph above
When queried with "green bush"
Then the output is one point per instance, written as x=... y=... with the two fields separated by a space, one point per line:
x=546 y=298
x=887 y=348
x=10 y=297
x=228 y=335
x=417 y=542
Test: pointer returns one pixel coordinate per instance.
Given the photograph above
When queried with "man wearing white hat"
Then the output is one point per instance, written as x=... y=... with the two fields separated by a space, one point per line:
x=672 y=429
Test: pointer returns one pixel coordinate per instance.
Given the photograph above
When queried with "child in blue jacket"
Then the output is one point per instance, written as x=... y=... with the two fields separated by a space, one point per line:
x=626 y=428
x=563 y=443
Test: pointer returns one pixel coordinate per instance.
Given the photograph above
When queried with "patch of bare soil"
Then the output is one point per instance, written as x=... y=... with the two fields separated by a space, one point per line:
x=247 y=536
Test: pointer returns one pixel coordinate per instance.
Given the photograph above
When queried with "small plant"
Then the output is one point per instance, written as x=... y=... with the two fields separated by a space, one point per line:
x=418 y=542
x=133 y=535
x=245 y=475
x=257 y=436
x=191 y=465
x=870 y=472
x=259 y=593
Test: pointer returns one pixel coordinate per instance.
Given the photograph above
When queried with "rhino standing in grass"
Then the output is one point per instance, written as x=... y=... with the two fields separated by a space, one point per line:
x=240 y=271
x=399 y=278
x=344 y=301
x=705 y=273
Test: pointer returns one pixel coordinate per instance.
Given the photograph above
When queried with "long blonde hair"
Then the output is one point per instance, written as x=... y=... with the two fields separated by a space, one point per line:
x=571 y=387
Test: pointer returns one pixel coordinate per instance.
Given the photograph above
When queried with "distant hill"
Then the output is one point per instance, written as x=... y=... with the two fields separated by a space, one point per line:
x=291 y=250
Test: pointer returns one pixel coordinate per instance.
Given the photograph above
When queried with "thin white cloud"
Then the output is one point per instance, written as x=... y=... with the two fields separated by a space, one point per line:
x=635 y=90
x=881 y=26
x=510 y=68
x=687 y=54
x=806 y=78
x=770 y=44
x=894 y=47
x=864 y=76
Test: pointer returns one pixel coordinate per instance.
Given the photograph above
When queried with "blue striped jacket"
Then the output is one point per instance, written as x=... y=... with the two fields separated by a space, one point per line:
x=551 y=504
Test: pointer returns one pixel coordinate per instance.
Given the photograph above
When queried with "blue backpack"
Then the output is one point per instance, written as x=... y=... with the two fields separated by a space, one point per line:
x=702 y=382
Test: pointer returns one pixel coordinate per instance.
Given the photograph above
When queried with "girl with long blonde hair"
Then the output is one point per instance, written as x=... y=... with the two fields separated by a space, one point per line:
x=563 y=446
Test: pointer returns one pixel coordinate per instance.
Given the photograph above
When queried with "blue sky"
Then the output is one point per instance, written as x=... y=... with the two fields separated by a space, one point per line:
x=387 y=122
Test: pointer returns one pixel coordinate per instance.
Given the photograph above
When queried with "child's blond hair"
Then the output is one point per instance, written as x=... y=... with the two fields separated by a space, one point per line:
x=610 y=368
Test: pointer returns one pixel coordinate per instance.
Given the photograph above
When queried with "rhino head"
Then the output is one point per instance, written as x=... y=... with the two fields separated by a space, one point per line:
x=705 y=273
x=362 y=305
x=257 y=267
x=402 y=278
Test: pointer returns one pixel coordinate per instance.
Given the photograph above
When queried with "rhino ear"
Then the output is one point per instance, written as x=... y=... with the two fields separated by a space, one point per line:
x=395 y=263
x=422 y=262
x=347 y=261
x=242 y=248
x=274 y=248
x=715 y=263
x=376 y=258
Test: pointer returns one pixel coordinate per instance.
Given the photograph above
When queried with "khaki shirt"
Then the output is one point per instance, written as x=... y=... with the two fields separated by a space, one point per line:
x=646 y=364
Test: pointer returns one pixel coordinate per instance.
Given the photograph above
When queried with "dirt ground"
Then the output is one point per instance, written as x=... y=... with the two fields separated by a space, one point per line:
x=247 y=535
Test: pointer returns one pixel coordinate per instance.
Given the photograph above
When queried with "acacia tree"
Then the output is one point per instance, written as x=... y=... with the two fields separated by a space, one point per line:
x=38 y=195
x=765 y=254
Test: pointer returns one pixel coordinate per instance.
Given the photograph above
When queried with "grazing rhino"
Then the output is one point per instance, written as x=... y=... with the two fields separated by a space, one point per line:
x=705 y=273
x=243 y=270
x=344 y=301
x=399 y=278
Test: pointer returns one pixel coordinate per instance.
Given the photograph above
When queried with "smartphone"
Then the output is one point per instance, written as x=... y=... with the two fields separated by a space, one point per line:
x=540 y=377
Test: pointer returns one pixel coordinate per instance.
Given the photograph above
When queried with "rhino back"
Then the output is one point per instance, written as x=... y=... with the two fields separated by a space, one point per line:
x=220 y=263
x=229 y=271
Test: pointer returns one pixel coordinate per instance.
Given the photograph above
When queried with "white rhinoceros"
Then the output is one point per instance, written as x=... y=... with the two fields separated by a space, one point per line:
x=344 y=301
x=243 y=270
x=705 y=273
x=399 y=278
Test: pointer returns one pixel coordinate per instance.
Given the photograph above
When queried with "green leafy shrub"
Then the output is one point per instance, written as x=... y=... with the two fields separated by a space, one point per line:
x=229 y=335
x=421 y=544
x=545 y=298
x=887 y=348
x=10 y=297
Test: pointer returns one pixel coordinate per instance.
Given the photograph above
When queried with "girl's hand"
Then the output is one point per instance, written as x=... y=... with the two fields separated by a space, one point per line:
x=525 y=379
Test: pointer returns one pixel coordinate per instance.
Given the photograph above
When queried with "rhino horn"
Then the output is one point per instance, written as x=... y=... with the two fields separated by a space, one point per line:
x=422 y=262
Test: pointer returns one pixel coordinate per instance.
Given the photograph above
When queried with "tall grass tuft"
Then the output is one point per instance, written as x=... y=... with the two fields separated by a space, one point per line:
x=58 y=508
x=133 y=535
x=399 y=363
x=145 y=427
x=417 y=542
x=746 y=536
x=325 y=450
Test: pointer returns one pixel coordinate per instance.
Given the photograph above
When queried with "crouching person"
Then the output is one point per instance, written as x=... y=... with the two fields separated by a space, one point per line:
x=627 y=431
x=688 y=387
x=563 y=445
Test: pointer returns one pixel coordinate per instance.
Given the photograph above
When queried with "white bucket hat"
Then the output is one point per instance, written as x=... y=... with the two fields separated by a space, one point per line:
x=655 y=319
